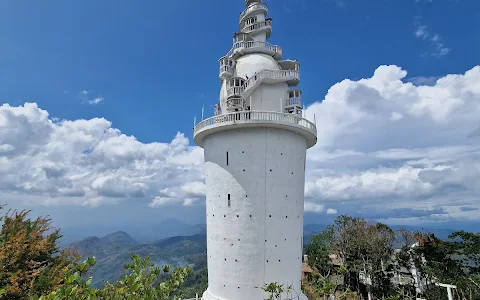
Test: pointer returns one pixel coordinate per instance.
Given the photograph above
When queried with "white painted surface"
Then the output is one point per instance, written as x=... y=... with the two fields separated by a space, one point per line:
x=266 y=97
x=255 y=201
x=257 y=239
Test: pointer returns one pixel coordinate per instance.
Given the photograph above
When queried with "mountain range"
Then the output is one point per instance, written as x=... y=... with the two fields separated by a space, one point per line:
x=178 y=244
x=114 y=250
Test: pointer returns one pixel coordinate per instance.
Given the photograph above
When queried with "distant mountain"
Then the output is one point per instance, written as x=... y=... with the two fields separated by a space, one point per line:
x=165 y=229
x=114 y=250
x=439 y=232
x=118 y=238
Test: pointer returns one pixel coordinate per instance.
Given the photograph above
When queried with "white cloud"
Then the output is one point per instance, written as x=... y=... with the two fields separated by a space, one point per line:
x=88 y=162
x=96 y=100
x=331 y=211
x=388 y=149
x=90 y=97
x=414 y=146
x=318 y=208
x=423 y=32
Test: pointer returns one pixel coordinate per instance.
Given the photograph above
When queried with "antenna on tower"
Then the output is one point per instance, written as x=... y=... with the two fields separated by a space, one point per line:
x=203 y=110
x=194 y=121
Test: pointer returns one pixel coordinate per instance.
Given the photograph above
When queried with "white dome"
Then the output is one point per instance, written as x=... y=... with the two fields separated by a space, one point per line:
x=249 y=64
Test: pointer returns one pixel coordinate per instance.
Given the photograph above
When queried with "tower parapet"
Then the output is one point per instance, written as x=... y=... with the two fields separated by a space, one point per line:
x=255 y=154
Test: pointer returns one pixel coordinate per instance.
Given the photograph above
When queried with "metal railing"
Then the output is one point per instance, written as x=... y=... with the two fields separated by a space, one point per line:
x=253 y=7
x=255 y=45
x=256 y=26
x=258 y=78
x=256 y=117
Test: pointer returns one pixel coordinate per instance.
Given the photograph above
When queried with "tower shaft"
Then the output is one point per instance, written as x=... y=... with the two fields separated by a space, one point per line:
x=255 y=154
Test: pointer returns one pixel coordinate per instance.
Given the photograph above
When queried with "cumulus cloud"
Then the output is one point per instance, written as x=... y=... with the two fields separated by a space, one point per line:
x=385 y=145
x=387 y=149
x=88 y=162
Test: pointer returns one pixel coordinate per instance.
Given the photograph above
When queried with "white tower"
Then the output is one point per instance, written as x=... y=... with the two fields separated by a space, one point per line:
x=255 y=148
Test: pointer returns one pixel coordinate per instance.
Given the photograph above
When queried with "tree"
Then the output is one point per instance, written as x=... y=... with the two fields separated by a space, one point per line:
x=275 y=290
x=455 y=261
x=143 y=281
x=318 y=251
x=31 y=262
x=325 y=287
x=365 y=249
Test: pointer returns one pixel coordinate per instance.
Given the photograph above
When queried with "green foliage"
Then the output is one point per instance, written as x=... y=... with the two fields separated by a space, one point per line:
x=318 y=251
x=454 y=261
x=141 y=282
x=31 y=262
x=113 y=253
x=325 y=287
x=275 y=290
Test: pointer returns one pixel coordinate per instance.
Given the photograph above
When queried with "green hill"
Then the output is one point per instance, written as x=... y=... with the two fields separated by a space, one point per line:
x=115 y=250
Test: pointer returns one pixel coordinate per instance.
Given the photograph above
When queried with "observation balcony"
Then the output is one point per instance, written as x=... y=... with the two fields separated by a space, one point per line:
x=235 y=104
x=289 y=65
x=263 y=26
x=246 y=47
x=235 y=87
x=227 y=67
x=241 y=37
x=254 y=7
x=246 y=119
x=268 y=76
x=293 y=105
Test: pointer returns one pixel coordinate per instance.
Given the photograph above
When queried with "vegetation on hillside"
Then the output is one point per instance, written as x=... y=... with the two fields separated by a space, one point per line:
x=30 y=260
x=33 y=267
x=352 y=259
x=355 y=259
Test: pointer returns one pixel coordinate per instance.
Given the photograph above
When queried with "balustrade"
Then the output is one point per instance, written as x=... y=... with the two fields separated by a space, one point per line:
x=294 y=101
x=253 y=7
x=257 y=26
x=256 y=116
x=268 y=48
x=226 y=71
x=275 y=75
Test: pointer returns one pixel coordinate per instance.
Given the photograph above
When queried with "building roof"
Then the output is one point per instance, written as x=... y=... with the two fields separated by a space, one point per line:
x=306 y=268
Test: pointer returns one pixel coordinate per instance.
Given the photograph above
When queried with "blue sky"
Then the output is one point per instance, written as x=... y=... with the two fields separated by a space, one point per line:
x=148 y=67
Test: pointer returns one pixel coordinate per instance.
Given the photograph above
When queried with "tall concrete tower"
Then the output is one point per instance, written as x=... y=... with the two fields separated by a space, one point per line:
x=255 y=148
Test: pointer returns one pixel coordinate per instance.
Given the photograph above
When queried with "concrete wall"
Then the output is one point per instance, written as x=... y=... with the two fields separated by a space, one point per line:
x=270 y=97
x=257 y=239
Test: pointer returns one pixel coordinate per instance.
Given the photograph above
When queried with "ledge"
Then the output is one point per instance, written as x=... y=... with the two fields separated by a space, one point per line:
x=250 y=119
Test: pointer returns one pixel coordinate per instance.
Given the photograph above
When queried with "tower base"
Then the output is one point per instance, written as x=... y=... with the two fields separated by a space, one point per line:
x=207 y=296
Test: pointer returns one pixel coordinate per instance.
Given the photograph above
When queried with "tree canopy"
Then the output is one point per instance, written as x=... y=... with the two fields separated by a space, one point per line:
x=33 y=267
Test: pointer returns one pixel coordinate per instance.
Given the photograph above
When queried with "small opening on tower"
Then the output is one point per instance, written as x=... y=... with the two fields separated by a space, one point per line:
x=227 y=158
x=229 y=201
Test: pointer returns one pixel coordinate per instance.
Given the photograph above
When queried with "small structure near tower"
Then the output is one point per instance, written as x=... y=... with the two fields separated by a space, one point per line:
x=255 y=153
